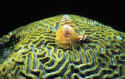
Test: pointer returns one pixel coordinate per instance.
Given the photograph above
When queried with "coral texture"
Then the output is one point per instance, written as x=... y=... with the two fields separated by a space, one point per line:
x=31 y=52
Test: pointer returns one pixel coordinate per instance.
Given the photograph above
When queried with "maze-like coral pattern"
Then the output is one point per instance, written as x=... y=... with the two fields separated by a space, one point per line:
x=36 y=56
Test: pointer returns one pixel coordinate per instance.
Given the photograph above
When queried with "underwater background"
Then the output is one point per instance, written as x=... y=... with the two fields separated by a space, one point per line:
x=28 y=49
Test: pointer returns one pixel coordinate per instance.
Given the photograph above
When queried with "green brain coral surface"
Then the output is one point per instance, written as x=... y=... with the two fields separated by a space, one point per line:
x=30 y=52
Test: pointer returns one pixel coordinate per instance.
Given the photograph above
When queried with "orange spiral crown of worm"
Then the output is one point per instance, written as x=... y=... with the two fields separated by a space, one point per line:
x=66 y=36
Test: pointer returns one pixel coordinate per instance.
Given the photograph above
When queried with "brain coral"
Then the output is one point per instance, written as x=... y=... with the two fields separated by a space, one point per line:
x=31 y=52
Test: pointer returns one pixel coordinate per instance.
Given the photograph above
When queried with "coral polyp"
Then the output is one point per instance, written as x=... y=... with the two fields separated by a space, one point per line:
x=41 y=50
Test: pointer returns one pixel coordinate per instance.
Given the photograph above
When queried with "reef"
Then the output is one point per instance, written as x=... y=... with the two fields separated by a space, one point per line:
x=31 y=52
